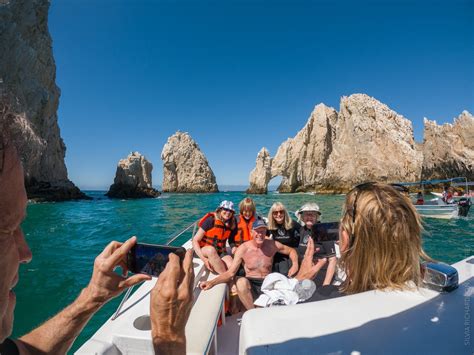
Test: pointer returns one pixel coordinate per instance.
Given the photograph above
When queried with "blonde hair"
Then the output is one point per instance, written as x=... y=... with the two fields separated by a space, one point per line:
x=272 y=224
x=247 y=204
x=385 y=243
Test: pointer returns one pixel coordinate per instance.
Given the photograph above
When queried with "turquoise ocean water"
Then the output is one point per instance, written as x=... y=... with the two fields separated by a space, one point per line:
x=65 y=238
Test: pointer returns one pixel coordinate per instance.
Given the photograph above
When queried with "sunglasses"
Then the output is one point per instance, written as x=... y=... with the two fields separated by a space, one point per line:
x=227 y=210
x=366 y=186
x=278 y=212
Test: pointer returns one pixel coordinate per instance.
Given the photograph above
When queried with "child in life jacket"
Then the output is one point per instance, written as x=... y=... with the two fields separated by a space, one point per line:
x=209 y=243
x=247 y=215
x=308 y=215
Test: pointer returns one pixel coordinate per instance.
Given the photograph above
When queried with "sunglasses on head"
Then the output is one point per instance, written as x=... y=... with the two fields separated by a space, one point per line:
x=366 y=186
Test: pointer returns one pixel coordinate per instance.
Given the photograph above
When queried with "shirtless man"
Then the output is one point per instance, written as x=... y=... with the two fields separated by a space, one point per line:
x=257 y=255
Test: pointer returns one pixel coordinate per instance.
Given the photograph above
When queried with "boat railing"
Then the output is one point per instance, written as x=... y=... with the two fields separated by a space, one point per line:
x=171 y=239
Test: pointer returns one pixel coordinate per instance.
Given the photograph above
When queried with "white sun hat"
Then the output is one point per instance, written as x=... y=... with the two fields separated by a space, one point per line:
x=308 y=207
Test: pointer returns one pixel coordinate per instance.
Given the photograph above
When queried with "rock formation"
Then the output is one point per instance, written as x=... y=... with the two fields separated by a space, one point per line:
x=372 y=142
x=28 y=70
x=365 y=141
x=133 y=178
x=448 y=150
x=261 y=175
x=302 y=160
x=185 y=168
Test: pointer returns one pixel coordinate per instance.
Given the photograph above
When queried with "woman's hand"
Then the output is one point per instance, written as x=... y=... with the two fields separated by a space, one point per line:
x=293 y=270
x=208 y=265
x=170 y=306
x=105 y=284
x=308 y=269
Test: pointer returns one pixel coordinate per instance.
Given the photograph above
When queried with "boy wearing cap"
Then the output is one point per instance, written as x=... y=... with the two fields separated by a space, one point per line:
x=257 y=258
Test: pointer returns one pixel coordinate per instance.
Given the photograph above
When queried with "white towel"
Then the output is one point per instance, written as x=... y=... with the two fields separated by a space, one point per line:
x=278 y=289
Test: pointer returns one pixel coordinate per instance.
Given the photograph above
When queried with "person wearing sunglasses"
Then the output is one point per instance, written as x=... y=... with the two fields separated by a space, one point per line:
x=209 y=243
x=308 y=216
x=380 y=242
x=285 y=230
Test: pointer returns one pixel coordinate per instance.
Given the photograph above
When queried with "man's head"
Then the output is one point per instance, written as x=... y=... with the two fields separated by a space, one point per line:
x=13 y=248
x=259 y=232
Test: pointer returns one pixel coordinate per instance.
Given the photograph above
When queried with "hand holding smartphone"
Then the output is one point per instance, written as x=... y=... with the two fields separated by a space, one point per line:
x=151 y=259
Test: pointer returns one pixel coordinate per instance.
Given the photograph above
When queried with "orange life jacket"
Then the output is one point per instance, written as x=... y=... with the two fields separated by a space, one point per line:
x=243 y=230
x=217 y=235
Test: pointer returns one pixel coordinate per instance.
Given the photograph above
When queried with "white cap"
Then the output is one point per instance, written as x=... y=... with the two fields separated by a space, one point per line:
x=228 y=205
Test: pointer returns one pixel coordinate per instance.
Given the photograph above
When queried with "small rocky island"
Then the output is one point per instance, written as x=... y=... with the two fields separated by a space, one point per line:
x=185 y=168
x=133 y=178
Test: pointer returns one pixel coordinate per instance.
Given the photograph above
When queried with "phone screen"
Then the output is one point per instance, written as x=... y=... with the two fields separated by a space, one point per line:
x=151 y=259
x=325 y=237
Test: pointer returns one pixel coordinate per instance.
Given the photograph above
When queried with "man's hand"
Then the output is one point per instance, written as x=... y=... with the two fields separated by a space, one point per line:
x=205 y=285
x=308 y=269
x=234 y=249
x=105 y=284
x=170 y=306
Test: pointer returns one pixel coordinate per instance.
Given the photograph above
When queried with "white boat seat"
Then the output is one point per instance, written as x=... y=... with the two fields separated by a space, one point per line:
x=202 y=322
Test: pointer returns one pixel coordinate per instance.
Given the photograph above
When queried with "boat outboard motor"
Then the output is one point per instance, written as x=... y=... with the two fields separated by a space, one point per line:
x=464 y=205
x=439 y=277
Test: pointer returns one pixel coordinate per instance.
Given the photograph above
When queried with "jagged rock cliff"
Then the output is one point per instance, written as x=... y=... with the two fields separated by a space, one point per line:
x=185 y=168
x=261 y=175
x=372 y=142
x=448 y=150
x=364 y=141
x=28 y=70
x=302 y=160
x=133 y=178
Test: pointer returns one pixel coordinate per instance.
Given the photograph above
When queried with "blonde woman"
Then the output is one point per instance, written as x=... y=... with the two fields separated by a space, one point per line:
x=380 y=239
x=284 y=230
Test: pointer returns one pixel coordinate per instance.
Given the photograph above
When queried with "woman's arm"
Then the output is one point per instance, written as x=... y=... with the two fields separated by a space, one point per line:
x=196 y=239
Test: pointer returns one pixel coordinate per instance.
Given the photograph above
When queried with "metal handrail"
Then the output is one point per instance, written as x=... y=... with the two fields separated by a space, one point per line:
x=172 y=238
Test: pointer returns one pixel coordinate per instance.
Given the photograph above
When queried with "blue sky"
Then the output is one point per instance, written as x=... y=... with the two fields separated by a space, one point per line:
x=239 y=75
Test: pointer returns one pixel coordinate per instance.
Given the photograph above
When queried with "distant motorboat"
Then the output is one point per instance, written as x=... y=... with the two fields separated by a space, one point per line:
x=457 y=206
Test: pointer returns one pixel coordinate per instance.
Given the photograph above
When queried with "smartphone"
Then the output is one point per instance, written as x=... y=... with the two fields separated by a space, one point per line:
x=151 y=259
x=327 y=249
x=325 y=236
